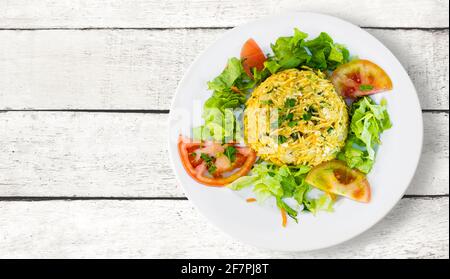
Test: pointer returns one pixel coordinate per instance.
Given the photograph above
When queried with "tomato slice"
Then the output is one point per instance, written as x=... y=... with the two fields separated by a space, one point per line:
x=336 y=178
x=252 y=57
x=197 y=168
x=359 y=78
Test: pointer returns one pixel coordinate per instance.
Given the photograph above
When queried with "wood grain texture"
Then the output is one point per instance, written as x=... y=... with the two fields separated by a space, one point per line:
x=207 y=13
x=124 y=155
x=174 y=229
x=103 y=55
x=140 y=69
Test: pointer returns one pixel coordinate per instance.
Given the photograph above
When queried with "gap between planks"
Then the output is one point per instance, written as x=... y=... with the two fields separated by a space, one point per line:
x=207 y=13
x=154 y=111
x=36 y=198
x=199 y=28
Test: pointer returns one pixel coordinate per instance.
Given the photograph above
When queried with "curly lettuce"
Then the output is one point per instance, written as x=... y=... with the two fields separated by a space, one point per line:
x=229 y=93
x=280 y=183
x=368 y=121
x=295 y=51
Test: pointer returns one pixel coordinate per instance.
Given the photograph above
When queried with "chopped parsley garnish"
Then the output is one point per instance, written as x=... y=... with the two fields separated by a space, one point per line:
x=307 y=116
x=290 y=103
x=205 y=157
x=282 y=139
x=296 y=135
x=230 y=152
x=365 y=87
x=212 y=169
x=292 y=123
x=209 y=162
x=282 y=118
x=267 y=102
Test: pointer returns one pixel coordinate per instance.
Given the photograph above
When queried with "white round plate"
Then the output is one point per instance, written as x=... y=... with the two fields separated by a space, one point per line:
x=396 y=161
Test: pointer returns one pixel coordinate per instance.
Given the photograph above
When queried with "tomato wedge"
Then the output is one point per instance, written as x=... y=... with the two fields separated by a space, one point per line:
x=336 y=178
x=190 y=153
x=252 y=57
x=359 y=78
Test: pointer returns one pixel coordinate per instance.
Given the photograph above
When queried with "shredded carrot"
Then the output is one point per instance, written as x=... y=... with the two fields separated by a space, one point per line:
x=283 y=217
x=332 y=196
x=251 y=200
x=235 y=89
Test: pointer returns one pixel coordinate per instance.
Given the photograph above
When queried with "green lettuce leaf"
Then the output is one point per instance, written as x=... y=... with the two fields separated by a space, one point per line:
x=261 y=192
x=289 y=210
x=323 y=203
x=229 y=76
x=368 y=121
x=220 y=123
x=242 y=182
x=224 y=100
x=295 y=51
x=280 y=183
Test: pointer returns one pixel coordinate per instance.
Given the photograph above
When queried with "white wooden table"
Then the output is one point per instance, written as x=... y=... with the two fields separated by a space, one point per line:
x=85 y=88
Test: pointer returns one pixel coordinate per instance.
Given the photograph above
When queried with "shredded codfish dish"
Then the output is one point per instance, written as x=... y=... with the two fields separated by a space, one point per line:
x=296 y=117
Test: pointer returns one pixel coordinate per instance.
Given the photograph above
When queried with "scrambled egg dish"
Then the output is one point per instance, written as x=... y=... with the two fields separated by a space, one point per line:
x=296 y=117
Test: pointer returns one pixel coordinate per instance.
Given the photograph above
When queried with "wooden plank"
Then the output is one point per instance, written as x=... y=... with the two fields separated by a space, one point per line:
x=434 y=162
x=427 y=66
x=124 y=155
x=207 y=13
x=140 y=69
x=84 y=154
x=174 y=229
